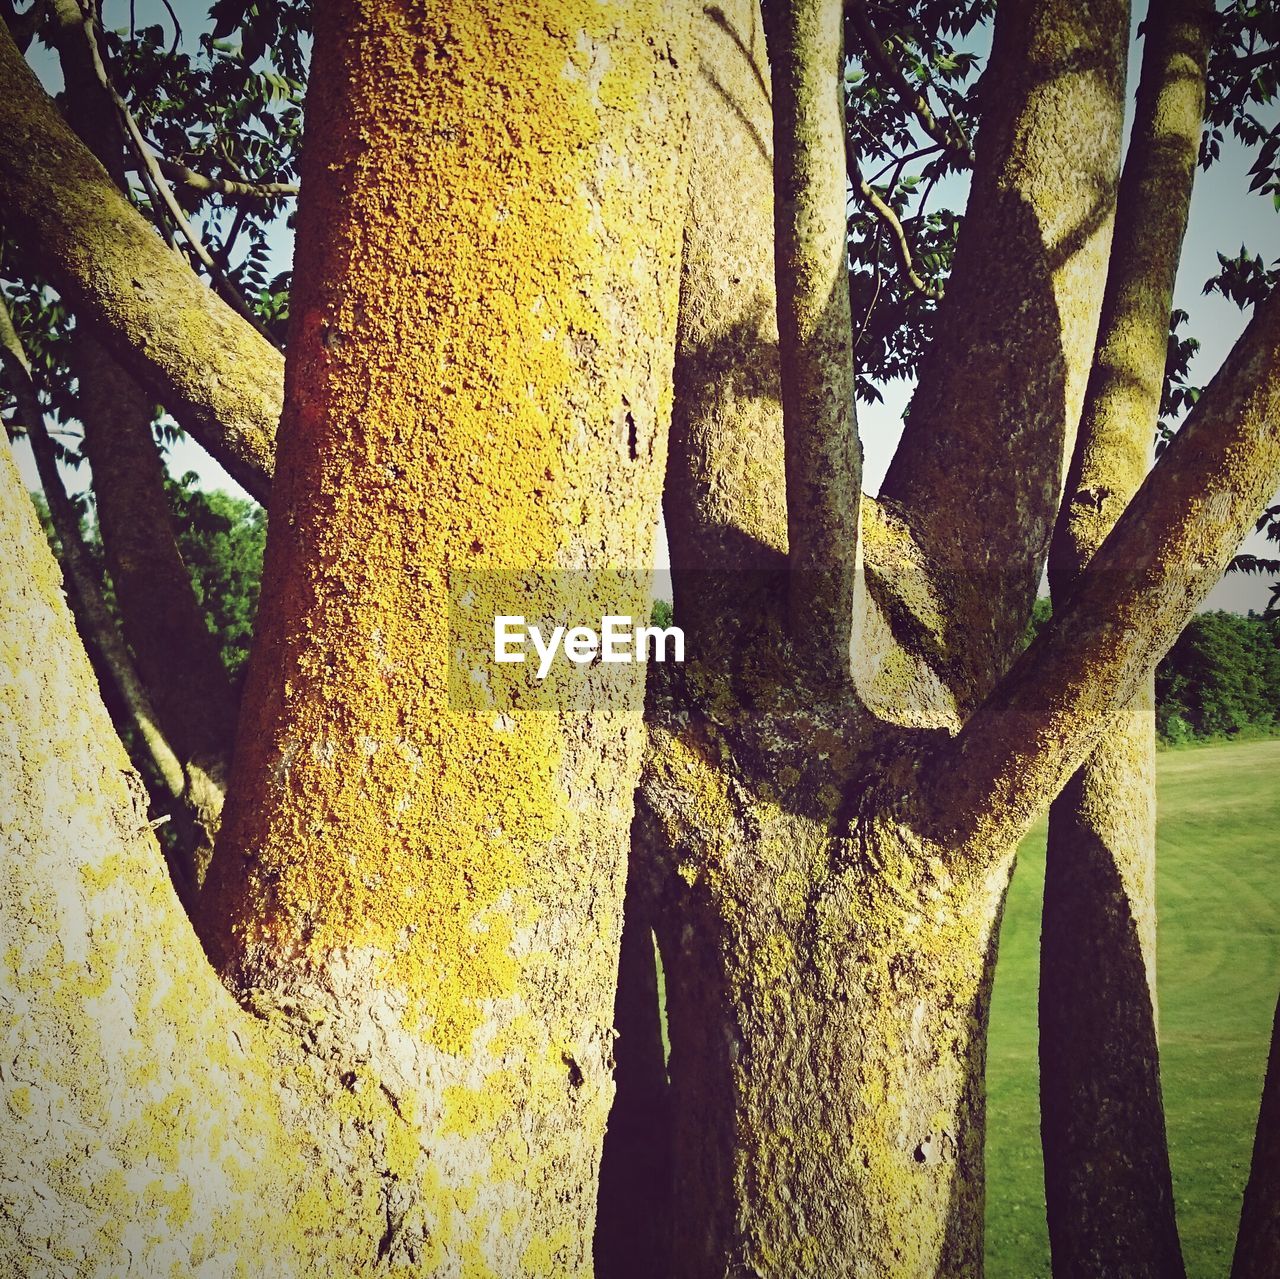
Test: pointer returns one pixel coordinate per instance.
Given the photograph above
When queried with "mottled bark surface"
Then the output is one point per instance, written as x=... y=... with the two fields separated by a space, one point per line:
x=827 y=983
x=978 y=473
x=1108 y=1185
x=147 y=1124
x=725 y=492
x=207 y=366
x=479 y=385
x=811 y=277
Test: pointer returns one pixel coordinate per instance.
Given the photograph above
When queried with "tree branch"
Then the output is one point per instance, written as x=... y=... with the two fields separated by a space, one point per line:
x=160 y=186
x=1098 y=937
x=977 y=474
x=823 y=455
x=1163 y=556
x=871 y=198
x=88 y=604
x=915 y=102
x=223 y=381
x=223 y=186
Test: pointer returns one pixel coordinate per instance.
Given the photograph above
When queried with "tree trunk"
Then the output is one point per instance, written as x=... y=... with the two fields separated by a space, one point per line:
x=423 y=873
x=1257 y=1253
x=827 y=986
x=1109 y=1189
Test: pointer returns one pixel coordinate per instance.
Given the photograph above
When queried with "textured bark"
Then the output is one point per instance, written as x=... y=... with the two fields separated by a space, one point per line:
x=147 y=1124
x=1109 y=1189
x=1170 y=546
x=1257 y=1253
x=823 y=455
x=725 y=491
x=978 y=473
x=188 y=348
x=827 y=987
x=480 y=366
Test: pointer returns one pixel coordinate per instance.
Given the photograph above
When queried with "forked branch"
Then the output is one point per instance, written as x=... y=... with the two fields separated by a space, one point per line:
x=1163 y=556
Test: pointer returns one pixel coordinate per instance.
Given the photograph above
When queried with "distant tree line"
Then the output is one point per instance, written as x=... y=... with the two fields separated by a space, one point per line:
x=1220 y=679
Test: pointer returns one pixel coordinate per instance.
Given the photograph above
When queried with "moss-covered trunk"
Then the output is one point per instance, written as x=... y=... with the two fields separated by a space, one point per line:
x=827 y=990
x=422 y=875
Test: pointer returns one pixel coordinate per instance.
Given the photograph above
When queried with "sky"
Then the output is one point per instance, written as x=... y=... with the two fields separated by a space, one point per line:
x=1223 y=216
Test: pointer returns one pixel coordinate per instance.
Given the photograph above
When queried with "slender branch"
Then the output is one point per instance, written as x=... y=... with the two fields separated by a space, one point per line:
x=1164 y=555
x=223 y=186
x=212 y=371
x=871 y=198
x=823 y=456
x=152 y=169
x=914 y=101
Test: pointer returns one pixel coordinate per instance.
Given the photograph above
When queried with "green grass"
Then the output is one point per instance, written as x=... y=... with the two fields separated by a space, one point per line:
x=1219 y=976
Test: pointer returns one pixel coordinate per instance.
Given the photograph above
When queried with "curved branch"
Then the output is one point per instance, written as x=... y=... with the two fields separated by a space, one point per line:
x=223 y=186
x=957 y=147
x=210 y=369
x=1163 y=556
x=871 y=198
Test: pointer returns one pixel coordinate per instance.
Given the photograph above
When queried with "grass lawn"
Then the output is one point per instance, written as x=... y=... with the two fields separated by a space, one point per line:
x=1219 y=975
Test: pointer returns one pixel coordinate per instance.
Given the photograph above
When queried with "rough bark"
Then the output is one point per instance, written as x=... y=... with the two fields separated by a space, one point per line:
x=1109 y=1190
x=822 y=451
x=147 y=1124
x=725 y=491
x=480 y=368
x=978 y=473
x=827 y=987
x=176 y=655
x=1257 y=1254
x=1169 y=547
x=188 y=348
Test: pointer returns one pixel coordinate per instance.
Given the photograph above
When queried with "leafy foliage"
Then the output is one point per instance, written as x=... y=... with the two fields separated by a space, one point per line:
x=1220 y=678
x=222 y=539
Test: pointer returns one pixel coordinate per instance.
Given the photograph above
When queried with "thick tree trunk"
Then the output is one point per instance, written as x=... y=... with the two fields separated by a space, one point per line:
x=978 y=473
x=147 y=1124
x=426 y=876
x=827 y=986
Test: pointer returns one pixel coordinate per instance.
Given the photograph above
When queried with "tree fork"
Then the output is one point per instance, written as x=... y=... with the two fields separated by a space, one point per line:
x=1109 y=1189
